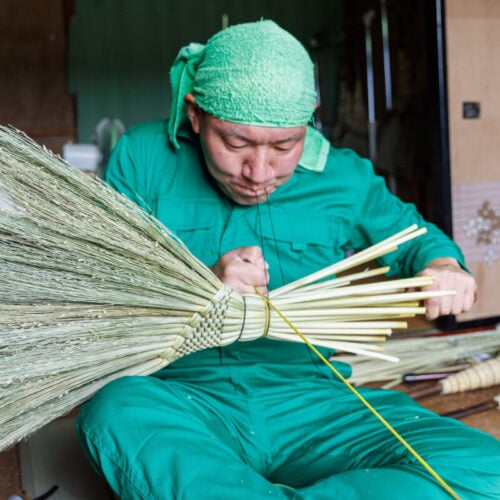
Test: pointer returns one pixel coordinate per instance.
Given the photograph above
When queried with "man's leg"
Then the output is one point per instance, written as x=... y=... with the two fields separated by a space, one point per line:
x=335 y=448
x=289 y=439
x=154 y=439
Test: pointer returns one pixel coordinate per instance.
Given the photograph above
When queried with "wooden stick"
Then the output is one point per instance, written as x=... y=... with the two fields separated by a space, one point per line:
x=494 y=404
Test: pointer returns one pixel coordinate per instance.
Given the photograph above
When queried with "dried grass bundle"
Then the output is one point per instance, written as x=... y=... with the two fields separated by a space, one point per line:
x=424 y=354
x=93 y=288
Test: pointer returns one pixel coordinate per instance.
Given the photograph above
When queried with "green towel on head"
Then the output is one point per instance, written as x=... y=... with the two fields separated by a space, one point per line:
x=253 y=74
x=182 y=75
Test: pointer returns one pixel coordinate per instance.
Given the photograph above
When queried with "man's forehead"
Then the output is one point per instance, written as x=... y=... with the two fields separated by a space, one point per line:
x=258 y=133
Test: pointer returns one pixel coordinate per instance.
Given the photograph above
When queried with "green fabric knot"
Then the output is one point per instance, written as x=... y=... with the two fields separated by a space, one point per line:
x=182 y=75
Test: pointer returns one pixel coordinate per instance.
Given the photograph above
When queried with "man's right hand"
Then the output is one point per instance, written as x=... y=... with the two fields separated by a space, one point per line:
x=243 y=269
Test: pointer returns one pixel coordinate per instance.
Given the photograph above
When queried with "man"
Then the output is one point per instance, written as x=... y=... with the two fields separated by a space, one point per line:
x=261 y=197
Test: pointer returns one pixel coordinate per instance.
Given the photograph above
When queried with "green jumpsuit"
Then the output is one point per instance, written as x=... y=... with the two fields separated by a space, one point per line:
x=266 y=419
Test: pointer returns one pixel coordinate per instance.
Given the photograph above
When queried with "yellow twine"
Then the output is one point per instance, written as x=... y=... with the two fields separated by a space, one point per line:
x=386 y=424
x=268 y=316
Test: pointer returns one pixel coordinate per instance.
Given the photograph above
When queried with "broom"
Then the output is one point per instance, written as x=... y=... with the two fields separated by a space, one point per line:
x=93 y=288
x=484 y=374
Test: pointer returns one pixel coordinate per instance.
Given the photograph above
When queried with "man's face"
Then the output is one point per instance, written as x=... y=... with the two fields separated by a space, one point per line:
x=247 y=162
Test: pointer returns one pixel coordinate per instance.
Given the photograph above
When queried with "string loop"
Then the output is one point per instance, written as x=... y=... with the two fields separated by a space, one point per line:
x=244 y=318
x=268 y=315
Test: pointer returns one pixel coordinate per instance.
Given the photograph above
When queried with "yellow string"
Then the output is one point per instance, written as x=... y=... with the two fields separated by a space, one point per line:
x=364 y=401
x=268 y=318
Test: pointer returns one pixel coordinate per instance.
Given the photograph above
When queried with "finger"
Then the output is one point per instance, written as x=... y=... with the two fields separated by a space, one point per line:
x=262 y=289
x=432 y=309
x=469 y=298
x=457 y=305
x=255 y=276
x=246 y=277
x=244 y=289
x=438 y=306
x=251 y=254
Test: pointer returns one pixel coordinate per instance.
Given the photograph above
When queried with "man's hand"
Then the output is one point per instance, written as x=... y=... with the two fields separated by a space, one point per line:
x=448 y=275
x=243 y=269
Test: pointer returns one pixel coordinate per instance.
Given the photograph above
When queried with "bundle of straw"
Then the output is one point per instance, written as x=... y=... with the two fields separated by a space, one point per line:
x=451 y=352
x=93 y=288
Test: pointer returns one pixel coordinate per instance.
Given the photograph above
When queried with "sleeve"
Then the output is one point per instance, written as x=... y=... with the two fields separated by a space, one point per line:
x=382 y=214
x=123 y=173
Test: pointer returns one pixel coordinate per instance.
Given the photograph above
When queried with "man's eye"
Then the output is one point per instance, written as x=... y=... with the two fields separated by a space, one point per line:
x=235 y=146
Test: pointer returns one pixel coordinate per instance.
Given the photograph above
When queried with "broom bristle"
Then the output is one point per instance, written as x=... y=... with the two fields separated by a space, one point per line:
x=93 y=288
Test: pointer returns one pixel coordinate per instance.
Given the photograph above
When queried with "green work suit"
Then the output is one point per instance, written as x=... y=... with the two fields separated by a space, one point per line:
x=266 y=419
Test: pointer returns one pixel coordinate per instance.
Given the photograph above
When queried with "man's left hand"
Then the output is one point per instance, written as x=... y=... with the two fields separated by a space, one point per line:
x=448 y=275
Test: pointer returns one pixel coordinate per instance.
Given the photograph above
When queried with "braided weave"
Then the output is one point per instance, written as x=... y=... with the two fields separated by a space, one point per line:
x=206 y=327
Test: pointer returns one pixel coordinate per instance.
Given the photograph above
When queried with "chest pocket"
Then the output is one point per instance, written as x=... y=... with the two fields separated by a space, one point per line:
x=196 y=223
x=296 y=245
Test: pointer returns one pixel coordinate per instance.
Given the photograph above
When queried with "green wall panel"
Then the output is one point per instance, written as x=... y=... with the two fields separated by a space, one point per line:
x=120 y=51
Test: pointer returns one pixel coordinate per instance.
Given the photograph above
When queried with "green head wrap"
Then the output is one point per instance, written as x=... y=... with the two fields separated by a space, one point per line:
x=252 y=73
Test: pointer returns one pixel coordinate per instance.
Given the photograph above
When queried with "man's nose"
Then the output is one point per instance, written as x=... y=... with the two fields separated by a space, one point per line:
x=257 y=167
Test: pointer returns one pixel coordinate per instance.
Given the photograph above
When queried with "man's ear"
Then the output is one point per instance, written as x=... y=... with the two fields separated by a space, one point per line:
x=193 y=112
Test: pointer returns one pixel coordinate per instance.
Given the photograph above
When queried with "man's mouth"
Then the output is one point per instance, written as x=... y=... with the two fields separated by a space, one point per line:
x=254 y=191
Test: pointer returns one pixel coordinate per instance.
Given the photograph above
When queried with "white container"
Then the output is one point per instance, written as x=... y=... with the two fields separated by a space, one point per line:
x=83 y=156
